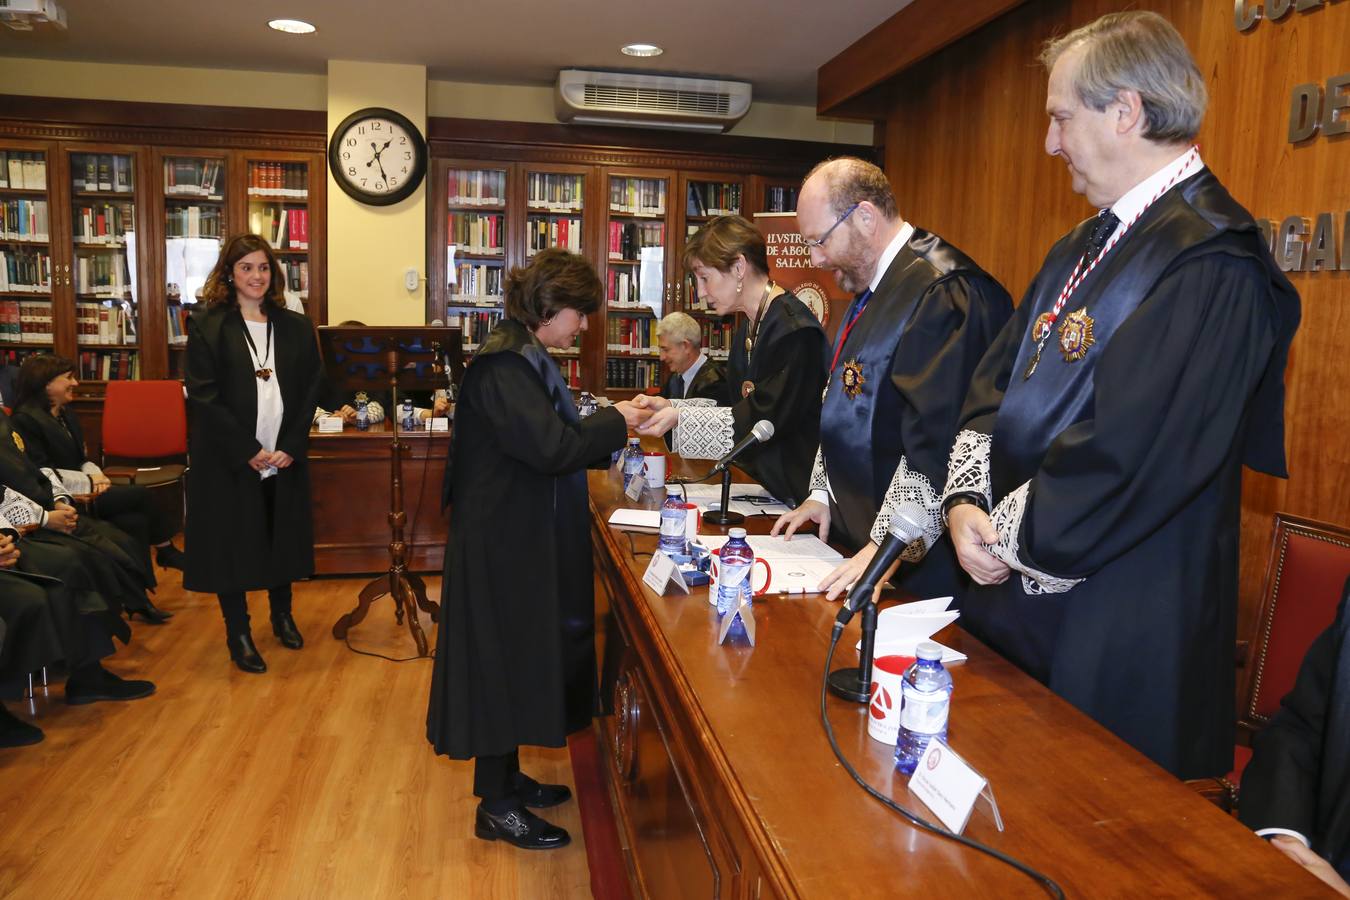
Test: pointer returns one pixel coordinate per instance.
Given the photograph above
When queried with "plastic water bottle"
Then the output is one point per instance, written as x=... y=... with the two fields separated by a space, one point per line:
x=733 y=578
x=673 y=517
x=633 y=462
x=587 y=405
x=926 y=700
x=362 y=415
x=409 y=417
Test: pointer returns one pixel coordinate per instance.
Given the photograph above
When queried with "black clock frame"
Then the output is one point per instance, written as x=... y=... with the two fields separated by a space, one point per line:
x=419 y=157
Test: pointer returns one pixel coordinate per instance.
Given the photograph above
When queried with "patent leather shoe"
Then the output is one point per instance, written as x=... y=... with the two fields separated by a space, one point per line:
x=520 y=828
x=151 y=613
x=540 y=796
x=284 y=628
x=95 y=683
x=15 y=732
x=245 y=653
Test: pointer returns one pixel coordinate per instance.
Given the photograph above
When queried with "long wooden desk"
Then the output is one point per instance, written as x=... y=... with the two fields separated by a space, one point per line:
x=725 y=784
x=349 y=480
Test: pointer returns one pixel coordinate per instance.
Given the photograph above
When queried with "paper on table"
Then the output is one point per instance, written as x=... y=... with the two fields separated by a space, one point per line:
x=709 y=496
x=900 y=628
x=636 y=519
x=797 y=566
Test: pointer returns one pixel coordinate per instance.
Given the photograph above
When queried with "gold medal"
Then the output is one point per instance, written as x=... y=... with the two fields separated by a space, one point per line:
x=18 y=441
x=852 y=379
x=1075 y=335
x=747 y=388
x=1041 y=329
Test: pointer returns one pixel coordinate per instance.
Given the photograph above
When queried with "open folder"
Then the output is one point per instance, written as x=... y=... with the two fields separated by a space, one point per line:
x=900 y=628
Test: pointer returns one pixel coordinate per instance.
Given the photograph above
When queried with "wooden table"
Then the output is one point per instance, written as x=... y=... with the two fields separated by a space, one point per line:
x=726 y=786
x=349 y=478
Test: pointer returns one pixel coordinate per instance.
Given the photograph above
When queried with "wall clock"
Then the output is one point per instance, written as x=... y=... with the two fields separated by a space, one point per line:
x=377 y=156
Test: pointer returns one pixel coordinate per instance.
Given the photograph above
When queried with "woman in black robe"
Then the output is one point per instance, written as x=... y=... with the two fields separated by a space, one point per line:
x=253 y=376
x=776 y=369
x=515 y=658
x=54 y=439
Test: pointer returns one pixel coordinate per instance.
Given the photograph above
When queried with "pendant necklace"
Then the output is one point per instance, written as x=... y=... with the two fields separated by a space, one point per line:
x=759 y=320
x=262 y=371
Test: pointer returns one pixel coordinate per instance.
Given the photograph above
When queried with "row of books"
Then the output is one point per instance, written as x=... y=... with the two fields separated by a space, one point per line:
x=639 y=374
x=780 y=199
x=626 y=239
x=25 y=271
x=193 y=177
x=555 y=191
x=707 y=198
x=637 y=196
x=622 y=289
x=23 y=220
x=571 y=370
x=278 y=179
x=284 y=229
x=104 y=275
x=26 y=321
x=474 y=232
x=544 y=232
x=475 y=282
x=121 y=365
x=717 y=336
x=624 y=334
x=23 y=170
x=474 y=327
x=101 y=323
x=178 y=314
x=102 y=172
x=477 y=187
x=296 y=274
x=105 y=223
x=193 y=221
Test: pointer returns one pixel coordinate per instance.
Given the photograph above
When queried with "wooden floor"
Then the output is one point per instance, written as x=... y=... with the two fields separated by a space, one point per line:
x=313 y=780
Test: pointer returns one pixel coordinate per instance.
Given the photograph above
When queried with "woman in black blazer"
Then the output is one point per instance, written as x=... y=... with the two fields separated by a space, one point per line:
x=253 y=376
x=54 y=439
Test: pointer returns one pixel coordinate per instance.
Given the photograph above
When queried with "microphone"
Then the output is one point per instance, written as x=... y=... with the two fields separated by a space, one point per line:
x=761 y=432
x=906 y=527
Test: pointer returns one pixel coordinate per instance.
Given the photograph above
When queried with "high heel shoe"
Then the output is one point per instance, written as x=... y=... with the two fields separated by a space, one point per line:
x=151 y=613
x=284 y=628
x=245 y=653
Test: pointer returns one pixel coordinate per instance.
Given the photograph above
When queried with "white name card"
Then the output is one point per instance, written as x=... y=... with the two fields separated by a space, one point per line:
x=438 y=423
x=635 y=488
x=330 y=424
x=662 y=572
x=949 y=786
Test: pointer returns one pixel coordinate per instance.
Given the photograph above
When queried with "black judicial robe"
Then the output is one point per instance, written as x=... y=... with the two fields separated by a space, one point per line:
x=710 y=383
x=231 y=546
x=1133 y=456
x=45 y=624
x=787 y=368
x=915 y=345
x=1299 y=774
x=515 y=653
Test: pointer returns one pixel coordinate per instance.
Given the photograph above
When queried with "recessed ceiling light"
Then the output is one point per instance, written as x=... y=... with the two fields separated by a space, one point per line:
x=291 y=26
x=641 y=50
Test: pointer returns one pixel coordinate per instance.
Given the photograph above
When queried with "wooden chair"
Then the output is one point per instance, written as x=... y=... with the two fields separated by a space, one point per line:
x=1308 y=566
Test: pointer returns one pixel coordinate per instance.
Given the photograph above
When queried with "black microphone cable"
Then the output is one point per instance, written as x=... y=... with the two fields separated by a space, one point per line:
x=1050 y=885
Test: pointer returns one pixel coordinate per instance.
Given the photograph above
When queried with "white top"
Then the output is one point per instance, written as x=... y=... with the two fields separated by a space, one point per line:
x=270 y=407
x=1138 y=197
x=689 y=373
x=890 y=253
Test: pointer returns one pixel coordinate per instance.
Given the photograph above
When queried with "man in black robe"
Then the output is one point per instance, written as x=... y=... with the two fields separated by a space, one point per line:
x=692 y=372
x=1099 y=462
x=1296 y=789
x=923 y=316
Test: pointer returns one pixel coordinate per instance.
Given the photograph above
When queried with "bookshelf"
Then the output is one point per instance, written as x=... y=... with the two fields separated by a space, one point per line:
x=471 y=199
x=193 y=204
x=277 y=191
x=639 y=223
x=26 y=266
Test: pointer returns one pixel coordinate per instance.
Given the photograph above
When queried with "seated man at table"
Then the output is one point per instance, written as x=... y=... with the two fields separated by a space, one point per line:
x=692 y=373
x=1296 y=789
x=425 y=406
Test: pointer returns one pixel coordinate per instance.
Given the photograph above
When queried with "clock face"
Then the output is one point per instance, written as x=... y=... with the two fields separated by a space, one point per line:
x=377 y=156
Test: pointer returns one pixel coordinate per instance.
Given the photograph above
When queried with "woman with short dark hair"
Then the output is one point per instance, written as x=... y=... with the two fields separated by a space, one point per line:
x=515 y=658
x=253 y=376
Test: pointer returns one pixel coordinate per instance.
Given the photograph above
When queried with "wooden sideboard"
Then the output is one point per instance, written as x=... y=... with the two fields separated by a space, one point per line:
x=725 y=785
x=349 y=478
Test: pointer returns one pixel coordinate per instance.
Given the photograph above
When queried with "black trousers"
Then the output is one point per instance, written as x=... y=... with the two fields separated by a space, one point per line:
x=494 y=776
x=234 y=606
x=131 y=508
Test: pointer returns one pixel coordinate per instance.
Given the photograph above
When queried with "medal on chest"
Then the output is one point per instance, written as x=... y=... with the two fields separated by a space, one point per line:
x=18 y=441
x=747 y=388
x=1075 y=335
x=852 y=380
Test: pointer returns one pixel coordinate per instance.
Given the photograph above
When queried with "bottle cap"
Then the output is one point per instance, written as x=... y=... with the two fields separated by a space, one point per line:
x=673 y=487
x=929 y=651
x=633 y=440
x=737 y=533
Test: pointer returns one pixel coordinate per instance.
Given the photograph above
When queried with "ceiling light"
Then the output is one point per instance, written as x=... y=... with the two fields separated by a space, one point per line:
x=641 y=50
x=291 y=26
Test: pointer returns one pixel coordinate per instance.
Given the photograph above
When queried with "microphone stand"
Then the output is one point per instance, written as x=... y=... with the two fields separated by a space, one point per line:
x=724 y=516
x=855 y=682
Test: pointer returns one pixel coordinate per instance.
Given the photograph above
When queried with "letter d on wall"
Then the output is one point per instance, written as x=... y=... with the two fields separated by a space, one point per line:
x=1305 y=112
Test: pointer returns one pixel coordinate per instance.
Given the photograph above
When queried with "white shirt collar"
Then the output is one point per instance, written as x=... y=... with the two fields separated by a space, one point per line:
x=888 y=255
x=1138 y=197
x=690 y=372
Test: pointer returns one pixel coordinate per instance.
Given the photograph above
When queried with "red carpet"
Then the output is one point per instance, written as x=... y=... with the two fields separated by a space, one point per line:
x=604 y=856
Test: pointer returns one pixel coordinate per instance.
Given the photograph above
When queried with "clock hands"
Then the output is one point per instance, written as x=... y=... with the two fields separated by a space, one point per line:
x=376 y=158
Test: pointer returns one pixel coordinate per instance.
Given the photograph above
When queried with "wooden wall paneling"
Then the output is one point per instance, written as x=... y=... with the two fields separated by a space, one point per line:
x=318 y=249
x=437 y=190
x=150 y=259
x=964 y=149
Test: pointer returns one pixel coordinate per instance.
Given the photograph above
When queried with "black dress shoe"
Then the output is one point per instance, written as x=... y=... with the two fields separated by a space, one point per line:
x=284 y=628
x=245 y=653
x=94 y=683
x=540 y=796
x=151 y=613
x=520 y=828
x=15 y=732
x=170 y=557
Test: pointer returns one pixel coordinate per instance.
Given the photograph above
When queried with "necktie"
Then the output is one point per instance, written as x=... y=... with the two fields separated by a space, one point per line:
x=677 y=389
x=1101 y=232
x=856 y=309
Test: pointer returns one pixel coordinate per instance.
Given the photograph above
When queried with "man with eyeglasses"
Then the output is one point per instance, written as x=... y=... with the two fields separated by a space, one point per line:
x=923 y=315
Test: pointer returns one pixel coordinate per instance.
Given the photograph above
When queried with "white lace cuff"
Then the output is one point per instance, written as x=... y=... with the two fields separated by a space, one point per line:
x=59 y=491
x=1007 y=518
x=18 y=510
x=968 y=467
x=704 y=432
x=909 y=487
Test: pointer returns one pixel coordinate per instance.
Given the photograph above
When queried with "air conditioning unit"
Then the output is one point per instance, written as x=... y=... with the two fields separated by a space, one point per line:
x=25 y=15
x=649 y=101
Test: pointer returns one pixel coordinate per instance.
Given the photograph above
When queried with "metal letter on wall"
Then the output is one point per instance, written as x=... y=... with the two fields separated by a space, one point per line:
x=1337 y=100
x=1278 y=9
x=1290 y=245
x=1305 y=112
x=1244 y=15
x=1322 y=247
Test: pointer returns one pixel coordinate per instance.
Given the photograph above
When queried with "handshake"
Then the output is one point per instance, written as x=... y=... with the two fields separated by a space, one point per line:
x=648 y=415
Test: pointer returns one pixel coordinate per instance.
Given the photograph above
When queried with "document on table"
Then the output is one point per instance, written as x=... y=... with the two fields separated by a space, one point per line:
x=795 y=567
x=746 y=499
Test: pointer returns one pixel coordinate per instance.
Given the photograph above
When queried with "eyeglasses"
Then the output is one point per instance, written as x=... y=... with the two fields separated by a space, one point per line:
x=819 y=243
